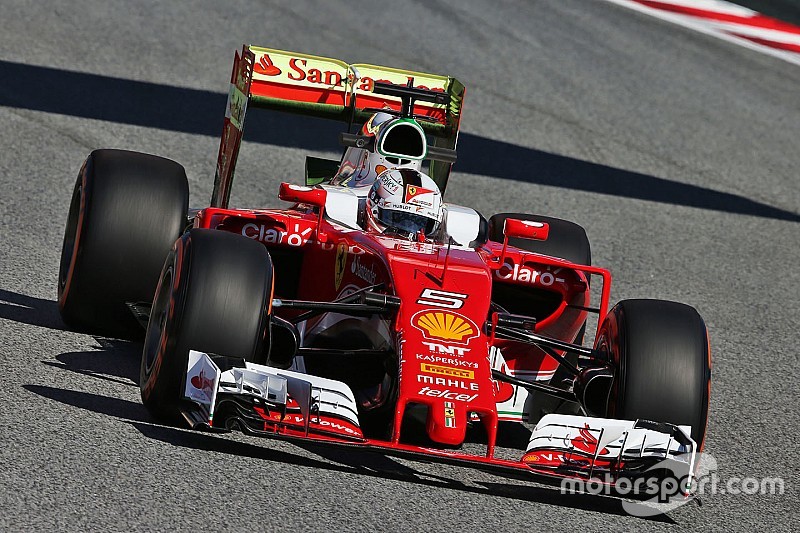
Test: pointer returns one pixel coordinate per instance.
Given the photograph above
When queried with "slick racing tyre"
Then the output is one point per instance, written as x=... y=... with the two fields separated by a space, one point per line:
x=127 y=209
x=214 y=296
x=663 y=363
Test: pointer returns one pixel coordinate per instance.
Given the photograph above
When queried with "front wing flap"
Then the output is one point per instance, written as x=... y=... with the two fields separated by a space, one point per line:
x=266 y=400
x=607 y=449
x=271 y=402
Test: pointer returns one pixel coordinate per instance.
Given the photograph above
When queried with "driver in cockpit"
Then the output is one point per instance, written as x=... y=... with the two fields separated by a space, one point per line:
x=405 y=203
x=395 y=196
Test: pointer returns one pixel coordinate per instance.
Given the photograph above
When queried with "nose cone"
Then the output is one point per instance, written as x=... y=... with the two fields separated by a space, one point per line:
x=447 y=422
x=444 y=350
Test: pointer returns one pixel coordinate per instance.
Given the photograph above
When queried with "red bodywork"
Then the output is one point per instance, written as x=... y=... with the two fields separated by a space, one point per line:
x=441 y=335
x=440 y=330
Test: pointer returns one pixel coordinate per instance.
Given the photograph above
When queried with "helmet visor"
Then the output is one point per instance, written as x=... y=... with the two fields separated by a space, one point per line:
x=406 y=222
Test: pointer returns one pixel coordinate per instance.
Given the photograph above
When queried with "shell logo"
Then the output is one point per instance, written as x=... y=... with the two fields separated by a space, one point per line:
x=445 y=326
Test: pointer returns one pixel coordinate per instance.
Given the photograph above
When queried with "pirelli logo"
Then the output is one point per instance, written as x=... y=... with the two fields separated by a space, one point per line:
x=447 y=371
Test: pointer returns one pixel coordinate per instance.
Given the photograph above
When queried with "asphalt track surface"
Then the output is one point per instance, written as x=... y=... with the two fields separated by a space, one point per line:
x=676 y=151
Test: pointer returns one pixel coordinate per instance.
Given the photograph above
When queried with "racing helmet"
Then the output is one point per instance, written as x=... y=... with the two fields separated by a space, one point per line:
x=404 y=202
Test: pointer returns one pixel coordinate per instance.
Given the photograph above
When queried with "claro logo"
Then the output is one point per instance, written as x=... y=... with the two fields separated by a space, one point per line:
x=260 y=232
x=514 y=272
x=445 y=326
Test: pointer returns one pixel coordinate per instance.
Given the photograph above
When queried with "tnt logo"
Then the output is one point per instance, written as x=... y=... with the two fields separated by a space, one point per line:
x=444 y=349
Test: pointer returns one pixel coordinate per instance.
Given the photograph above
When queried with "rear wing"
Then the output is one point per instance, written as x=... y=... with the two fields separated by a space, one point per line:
x=328 y=88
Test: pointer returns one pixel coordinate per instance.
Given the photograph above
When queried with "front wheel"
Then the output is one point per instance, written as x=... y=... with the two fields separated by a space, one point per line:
x=663 y=363
x=214 y=296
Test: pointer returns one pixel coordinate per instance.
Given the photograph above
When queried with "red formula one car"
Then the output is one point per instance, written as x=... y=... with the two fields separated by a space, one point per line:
x=371 y=313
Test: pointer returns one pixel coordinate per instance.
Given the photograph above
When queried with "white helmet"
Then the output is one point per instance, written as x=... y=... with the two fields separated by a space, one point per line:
x=404 y=202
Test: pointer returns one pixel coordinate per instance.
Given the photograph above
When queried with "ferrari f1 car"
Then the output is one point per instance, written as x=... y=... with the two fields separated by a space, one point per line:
x=327 y=321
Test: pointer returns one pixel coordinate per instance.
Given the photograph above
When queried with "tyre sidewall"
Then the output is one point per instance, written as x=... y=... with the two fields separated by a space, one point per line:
x=161 y=375
x=661 y=356
x=198 y=265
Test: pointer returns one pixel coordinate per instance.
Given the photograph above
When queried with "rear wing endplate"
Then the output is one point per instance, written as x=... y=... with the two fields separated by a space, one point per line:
x=328 y=88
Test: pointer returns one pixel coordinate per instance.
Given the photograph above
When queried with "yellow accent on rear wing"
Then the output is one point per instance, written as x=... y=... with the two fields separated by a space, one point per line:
x=328 y=88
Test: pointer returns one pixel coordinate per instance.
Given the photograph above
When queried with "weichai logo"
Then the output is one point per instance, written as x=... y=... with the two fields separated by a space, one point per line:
x=445 y=326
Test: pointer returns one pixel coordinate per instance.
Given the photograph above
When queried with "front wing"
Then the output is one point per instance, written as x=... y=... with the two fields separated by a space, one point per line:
x=276 y=403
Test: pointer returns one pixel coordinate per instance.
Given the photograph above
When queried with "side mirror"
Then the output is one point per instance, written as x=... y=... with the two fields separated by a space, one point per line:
x=526 y=229
x=521 y=229
x=302 y=195
x=306 y=195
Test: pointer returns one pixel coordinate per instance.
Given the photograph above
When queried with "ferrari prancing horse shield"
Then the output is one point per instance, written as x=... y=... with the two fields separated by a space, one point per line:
x=341 y=261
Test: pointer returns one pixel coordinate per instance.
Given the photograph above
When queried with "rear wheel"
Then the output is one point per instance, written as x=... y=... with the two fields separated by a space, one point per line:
x=663 y=361
x=214 y=296
x=566 y=239
x=127 y=209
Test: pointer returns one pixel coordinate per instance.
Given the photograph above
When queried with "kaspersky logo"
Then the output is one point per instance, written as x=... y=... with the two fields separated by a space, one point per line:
x=445 y=326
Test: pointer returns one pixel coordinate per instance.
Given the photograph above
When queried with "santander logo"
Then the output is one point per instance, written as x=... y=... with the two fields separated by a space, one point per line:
x=587 y=442
x=201 y=382
x=266 y=67
x=329 y=72
x=503 y=391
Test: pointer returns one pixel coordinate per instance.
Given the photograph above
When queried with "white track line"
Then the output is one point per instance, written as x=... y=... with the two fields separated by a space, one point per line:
x=720 y=29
